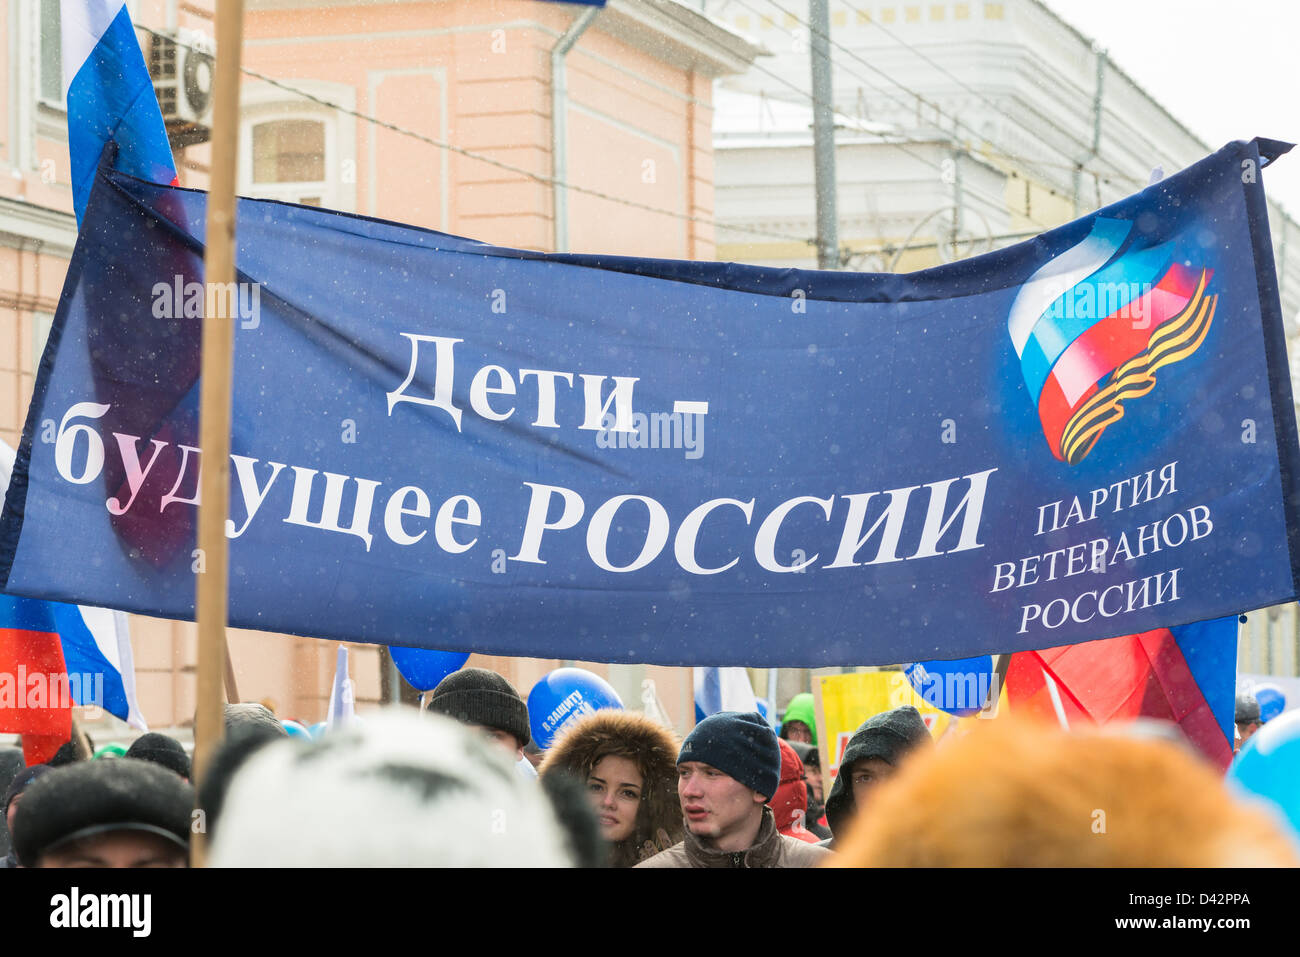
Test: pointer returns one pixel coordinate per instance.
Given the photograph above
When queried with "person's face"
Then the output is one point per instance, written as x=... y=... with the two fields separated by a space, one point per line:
x=813 y=775
x=797 y=731
x=1246 y=731
x=865 y=775
x=116 y=849
x=503 y=738
x=614 y=789
x=716 y=806
x=9 y=817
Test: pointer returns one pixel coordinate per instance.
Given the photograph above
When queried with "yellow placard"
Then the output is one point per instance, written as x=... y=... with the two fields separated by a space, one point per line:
x=843 y=702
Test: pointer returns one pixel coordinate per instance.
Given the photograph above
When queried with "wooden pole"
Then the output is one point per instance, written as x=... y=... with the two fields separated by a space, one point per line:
x=1001 y=664
x=232 y=689
x=214 y=399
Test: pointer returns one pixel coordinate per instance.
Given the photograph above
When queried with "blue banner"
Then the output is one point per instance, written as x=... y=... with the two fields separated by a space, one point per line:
x=443 y=444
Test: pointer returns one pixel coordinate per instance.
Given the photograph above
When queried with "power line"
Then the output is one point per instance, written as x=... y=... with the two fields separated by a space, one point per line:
x=921 y=100
x=863 y=15
x=995 y=201
x=471 y=154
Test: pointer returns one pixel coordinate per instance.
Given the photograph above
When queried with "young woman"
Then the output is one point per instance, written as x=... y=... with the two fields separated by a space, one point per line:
x=628 y=764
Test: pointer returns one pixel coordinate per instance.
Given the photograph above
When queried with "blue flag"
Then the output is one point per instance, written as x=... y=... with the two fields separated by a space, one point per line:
x=442 y=444
x=723 y=689
x=110 y=96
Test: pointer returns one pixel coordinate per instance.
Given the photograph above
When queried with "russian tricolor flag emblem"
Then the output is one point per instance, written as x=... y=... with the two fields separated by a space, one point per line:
x=54 y=656
x=110 y=97
x=1093 y=325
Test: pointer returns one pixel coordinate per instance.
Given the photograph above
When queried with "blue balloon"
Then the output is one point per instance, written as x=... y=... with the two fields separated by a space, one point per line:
x=562 y=696
x=424 y=668
x=764 y=709
x=317 y=730
x=959 y=687
x=296 y=729
x=1272 y=702
x=1268 y=766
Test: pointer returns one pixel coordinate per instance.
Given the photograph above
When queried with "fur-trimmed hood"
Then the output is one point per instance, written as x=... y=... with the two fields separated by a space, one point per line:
x=649 y=745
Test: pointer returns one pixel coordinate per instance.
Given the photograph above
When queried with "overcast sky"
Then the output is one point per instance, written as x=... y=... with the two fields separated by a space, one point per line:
x=1226 y=70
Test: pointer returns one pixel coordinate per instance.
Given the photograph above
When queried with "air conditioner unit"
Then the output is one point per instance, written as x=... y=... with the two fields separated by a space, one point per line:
x=180 y=63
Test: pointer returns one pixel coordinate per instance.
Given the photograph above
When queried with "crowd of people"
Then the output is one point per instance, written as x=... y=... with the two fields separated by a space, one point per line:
x=455 y=786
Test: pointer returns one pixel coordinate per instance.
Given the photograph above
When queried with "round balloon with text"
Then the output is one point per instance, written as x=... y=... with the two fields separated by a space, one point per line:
x=961 y=687
x=565 y=695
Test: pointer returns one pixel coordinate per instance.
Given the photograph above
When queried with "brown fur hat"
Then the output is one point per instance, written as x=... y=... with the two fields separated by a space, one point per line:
x=1019 y=794
x=646 y=743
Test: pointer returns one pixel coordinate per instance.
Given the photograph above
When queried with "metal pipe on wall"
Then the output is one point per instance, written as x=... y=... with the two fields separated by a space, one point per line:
x=559 y=124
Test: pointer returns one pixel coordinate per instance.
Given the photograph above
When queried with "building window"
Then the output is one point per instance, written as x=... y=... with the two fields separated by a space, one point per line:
x=288 y=158
x=289 y=151
x=51 y=60
x=296 y=151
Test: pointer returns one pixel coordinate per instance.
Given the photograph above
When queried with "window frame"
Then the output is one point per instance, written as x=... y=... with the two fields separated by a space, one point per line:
x=263 y=103
x=293 y=191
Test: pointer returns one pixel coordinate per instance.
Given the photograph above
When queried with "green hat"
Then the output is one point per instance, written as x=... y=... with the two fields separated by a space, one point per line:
x=801 y=708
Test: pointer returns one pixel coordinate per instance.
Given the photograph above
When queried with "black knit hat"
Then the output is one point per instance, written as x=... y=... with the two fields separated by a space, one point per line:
x=479 y=696
x=890 y=736
x=740 y=745
x=162 y=750
x=99 y=797
x=21 y=782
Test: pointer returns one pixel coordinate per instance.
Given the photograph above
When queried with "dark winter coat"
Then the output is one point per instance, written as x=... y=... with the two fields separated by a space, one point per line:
x=790 y=802
x=889 y=736
x=815 y=816
x=770 y=849
x=647 y=744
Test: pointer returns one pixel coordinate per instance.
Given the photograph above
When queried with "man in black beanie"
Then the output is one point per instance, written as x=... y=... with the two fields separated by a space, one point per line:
x=161 y=750
x=483 y=699
x=9 y=805
x=728 y=769
x=872 y=755
x=105 y=814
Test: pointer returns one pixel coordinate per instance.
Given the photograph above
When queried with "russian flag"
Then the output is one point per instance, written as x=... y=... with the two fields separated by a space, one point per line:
x=723 y=689
x=110 y=97
x=1185 y=675
x=54 y=655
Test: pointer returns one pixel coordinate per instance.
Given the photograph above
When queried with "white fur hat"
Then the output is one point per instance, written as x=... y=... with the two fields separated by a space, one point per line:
x=399 y=790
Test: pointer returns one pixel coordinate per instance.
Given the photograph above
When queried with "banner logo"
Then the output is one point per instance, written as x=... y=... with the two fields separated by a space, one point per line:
x=1091 y=329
